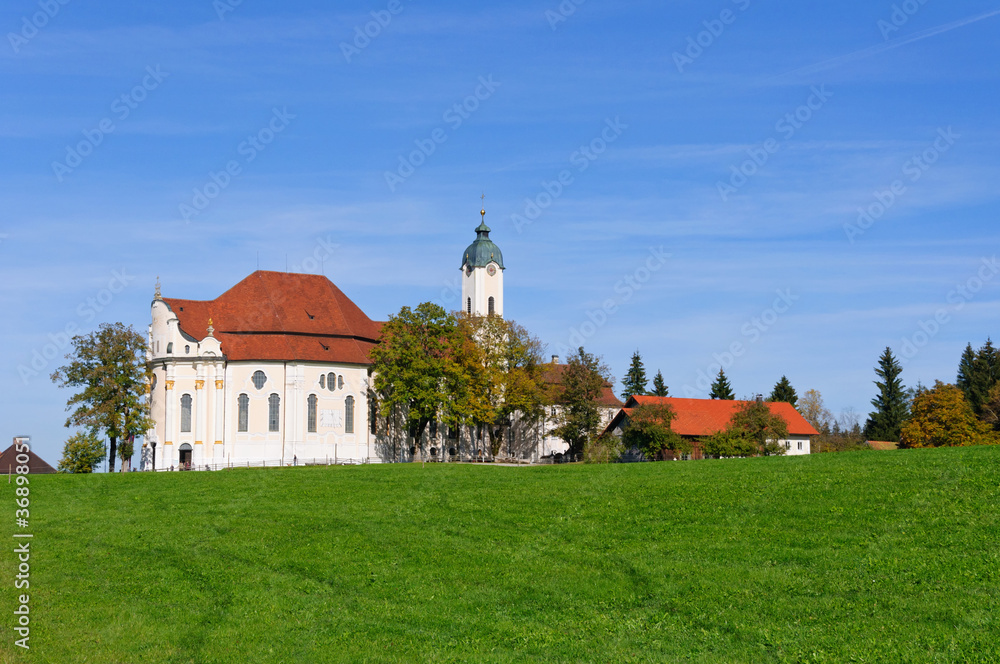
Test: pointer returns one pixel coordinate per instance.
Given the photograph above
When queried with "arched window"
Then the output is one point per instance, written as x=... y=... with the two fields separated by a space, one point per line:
x=243 y=424
x=170 y=347
x=349 y=415
x=340 y=382
x=259 y=379
x=186 y=413
x=322 y=381
x=468 y=305
x=493 y=308
x=311 y=413
x=331 y=381
x=187 y=349
x=273 y=412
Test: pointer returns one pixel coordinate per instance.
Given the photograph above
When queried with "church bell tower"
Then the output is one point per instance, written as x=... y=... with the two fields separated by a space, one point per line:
x=482 y=275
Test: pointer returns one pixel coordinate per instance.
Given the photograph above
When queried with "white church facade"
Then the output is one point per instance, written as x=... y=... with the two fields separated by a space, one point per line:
x=276 y=370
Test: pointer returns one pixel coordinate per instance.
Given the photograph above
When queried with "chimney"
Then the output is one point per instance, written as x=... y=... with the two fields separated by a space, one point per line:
x=760 y=398
x=555 y=359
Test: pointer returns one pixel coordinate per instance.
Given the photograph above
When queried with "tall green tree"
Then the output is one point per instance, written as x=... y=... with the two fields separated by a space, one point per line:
x=582 y=384
x=414 y=367
x=966 y=371
x=978 y=372
x=721 y=389
x=891 y=409
x=943 y=417
x=659 y=386
x=783 y=391
x=109 y=366
x=634 y=381
x=82 y=452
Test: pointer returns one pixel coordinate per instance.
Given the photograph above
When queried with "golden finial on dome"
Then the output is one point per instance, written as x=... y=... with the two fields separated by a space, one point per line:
x=483 y=211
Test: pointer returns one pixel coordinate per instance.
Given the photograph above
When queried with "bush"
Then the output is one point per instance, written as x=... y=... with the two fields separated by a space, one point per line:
x=603 y=449
x=82 y=453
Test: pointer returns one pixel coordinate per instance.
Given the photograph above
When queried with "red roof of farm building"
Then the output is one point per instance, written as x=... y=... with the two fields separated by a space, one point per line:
x=704 y=417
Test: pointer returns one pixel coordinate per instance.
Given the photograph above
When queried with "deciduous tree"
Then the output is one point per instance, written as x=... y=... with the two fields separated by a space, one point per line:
x=509 y=374
x=755 y=422
x=110 y=367
x=82 y=452
x=581 y=387
x=812 y=408
x=415 y=369
x=648 y=430
x=943 y=417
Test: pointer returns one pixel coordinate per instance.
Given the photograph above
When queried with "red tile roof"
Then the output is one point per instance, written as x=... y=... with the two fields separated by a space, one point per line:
x=704 y=417
x=284 y=317
x=552 y=375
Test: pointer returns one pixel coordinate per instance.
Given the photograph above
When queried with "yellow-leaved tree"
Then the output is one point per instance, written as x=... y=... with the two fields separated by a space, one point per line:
x=940 y=417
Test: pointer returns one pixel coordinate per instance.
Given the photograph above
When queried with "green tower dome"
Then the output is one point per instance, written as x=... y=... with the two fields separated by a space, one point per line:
x=482 y=251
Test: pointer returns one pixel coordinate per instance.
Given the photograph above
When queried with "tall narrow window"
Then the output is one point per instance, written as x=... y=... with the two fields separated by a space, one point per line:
x=340 y=382
x=322 y=381
x=186 y=413
x=468 y=305
x=273 y=409
x=493 y=306
x=243 y=424
x=311 y=414
x=349 y=415
x=331 y=381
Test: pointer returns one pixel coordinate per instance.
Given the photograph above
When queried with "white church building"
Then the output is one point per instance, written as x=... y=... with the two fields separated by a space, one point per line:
x=276 y=370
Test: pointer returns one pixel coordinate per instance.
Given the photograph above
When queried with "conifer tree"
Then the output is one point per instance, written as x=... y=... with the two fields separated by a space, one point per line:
x=721 y=389
x=978 y=373
x=783 y=391
x=891 y=408
x=634 y=381
x=659 y=387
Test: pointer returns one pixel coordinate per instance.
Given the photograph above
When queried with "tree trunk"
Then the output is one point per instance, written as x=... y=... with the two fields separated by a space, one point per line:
x=114 y=452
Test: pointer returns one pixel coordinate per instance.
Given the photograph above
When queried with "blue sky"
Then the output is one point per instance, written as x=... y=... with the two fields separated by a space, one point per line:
x=803 y=183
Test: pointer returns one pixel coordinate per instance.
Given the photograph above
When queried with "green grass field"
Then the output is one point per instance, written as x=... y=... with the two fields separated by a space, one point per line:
x=856 y=557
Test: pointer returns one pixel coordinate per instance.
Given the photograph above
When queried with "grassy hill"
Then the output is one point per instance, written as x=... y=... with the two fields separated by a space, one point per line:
x=860 y=557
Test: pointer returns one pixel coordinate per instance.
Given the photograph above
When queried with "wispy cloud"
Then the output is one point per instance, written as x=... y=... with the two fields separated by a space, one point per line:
x=832 y=63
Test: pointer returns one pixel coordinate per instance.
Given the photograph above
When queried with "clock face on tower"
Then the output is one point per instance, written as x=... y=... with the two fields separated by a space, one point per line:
x=491 y=270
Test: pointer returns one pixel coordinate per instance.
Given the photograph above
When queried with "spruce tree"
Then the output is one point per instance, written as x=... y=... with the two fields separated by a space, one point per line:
x=891 y=408
x=634 y=381
x=659 y=387
x=966 y=369
x=783 y=391
x=721 y=389
x=978 y=373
